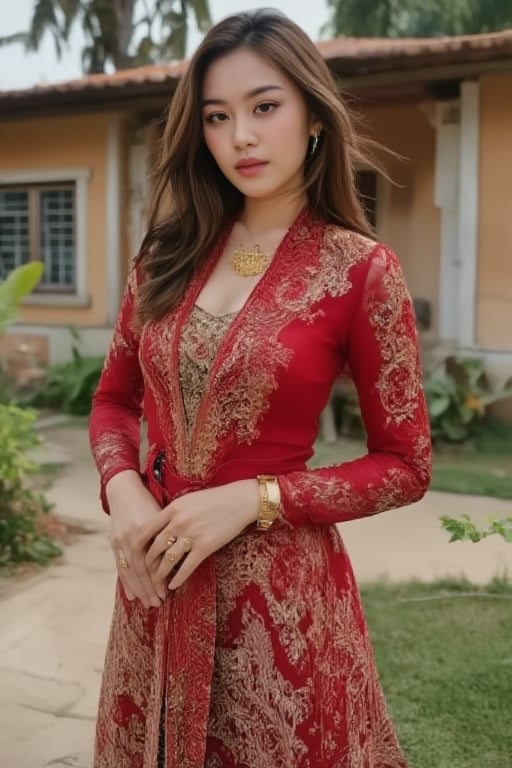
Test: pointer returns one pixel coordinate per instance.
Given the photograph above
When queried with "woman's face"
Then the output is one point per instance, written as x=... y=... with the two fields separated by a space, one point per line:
x=256 y=125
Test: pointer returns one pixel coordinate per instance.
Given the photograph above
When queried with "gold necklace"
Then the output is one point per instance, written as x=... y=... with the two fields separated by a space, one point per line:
x=249 y=263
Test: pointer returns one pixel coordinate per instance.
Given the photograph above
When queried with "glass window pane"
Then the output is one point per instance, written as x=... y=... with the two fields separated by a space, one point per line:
x=57 y=207
x=14 y=230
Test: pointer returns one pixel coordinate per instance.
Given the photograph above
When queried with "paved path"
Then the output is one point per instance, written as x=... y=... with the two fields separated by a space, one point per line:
x=53 y=627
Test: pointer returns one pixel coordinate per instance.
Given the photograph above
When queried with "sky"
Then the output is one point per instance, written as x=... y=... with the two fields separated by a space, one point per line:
x=21 y=70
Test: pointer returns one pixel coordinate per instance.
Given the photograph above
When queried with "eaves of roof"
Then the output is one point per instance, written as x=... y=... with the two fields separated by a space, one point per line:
x=358 y=63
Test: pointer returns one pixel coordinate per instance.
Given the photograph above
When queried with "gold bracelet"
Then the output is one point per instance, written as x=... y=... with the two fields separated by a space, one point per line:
x=270 y=501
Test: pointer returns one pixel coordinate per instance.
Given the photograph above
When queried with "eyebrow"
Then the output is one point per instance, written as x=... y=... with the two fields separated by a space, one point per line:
x=248 y=95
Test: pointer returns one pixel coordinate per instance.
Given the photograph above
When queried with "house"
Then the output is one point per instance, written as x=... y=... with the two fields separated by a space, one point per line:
x=75 y=159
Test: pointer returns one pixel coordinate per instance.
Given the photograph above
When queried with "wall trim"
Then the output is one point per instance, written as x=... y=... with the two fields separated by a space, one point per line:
x=446 y=198
x=468 y=213
x=42 y=175
x=113 y=217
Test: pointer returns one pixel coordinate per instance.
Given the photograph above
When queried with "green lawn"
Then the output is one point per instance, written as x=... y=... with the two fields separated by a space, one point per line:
x=445 y=661
x=480 y=475
x=482 y=468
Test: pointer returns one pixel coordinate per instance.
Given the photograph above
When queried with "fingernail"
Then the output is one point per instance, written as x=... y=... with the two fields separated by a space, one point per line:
x=155 y=602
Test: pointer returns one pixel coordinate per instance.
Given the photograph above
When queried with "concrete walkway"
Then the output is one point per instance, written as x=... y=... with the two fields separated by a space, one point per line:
x=53 y=627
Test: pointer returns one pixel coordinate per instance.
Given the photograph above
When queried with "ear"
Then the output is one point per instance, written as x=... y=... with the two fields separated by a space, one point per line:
x=316 y=127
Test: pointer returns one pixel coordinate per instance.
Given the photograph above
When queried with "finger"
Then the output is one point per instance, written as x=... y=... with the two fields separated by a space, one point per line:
x=132 y=585
x=172 y=556
x=126 y=589
x=144 y=577
x=156 y=523
x=127 y=568
x=158 y=575
x=186 y=569
x=160 y=544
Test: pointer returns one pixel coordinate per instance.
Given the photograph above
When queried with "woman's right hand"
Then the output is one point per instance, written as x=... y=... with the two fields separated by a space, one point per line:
x=131 y=506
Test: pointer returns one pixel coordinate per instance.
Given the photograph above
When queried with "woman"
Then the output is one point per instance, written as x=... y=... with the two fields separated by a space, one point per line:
x=238 y=636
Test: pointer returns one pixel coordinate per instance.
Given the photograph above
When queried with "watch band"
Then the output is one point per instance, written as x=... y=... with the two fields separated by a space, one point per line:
x=270 y=501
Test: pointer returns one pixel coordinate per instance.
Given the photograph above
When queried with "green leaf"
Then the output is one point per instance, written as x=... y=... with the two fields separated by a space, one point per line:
x=438 y=406
x=454 y=430
x=466 y=414
x=20 y=282
x=503 y=528
x=462 y=529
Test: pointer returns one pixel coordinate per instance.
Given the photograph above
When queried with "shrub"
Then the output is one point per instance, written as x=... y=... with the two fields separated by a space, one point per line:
x=18 y=283
x=458 y=393
x=20 y=507
x=69 y=386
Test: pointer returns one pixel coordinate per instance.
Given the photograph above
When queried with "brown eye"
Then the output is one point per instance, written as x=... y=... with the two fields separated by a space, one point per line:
x=265 y=107
x=216 y=117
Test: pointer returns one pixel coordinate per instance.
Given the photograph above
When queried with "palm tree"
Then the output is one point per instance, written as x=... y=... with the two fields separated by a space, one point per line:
x=417 y=18
x=119 y=33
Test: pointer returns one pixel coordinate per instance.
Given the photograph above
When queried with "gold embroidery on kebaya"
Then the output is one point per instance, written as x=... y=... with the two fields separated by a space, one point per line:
x=245 y=679
x=291 y=647
x=128 y=674
x=121 y=343
x=241 y=393
x=238 y=395
x=110 y=450
x=312 y=489
x=303 y=288
x=199 y=344
x=421 y=459
x=399 y=381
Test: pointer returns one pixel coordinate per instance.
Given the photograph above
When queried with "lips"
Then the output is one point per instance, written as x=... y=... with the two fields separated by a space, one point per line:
x=250 y=166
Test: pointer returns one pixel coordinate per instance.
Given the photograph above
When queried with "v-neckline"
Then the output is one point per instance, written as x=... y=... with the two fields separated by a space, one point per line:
x=189 y=435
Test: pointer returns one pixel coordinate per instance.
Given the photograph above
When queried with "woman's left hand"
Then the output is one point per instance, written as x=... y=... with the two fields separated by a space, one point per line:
x=192 y=527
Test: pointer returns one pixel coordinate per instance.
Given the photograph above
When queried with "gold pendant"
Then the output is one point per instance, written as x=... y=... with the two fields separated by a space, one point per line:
x=249 y=263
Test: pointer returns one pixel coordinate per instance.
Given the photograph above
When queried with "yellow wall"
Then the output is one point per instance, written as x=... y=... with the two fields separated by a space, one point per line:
x=75 y=142
x=494 y=295
x=409 y=222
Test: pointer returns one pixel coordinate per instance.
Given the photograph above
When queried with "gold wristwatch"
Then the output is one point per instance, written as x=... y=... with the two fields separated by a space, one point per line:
x=270 y=501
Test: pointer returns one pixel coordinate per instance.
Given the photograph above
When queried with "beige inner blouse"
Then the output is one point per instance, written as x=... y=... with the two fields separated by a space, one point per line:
x=199 y=343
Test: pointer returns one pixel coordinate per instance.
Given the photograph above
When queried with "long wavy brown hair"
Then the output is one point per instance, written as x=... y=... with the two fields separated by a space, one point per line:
x=192 y=200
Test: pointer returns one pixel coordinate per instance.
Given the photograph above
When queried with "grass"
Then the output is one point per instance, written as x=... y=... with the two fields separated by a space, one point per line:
x=475 y=475
x=445 y=660
x=482 y=467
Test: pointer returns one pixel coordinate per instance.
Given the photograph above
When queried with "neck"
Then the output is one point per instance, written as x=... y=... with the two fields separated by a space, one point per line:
x=262 y=216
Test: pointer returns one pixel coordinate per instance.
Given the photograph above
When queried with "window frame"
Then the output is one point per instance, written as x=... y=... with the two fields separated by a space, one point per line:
x=77 y=178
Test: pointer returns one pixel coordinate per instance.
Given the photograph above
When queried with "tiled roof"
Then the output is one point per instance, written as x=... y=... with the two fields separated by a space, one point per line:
x=348 y=57
x=410 y=47
x=357 y=55
x=151 y=73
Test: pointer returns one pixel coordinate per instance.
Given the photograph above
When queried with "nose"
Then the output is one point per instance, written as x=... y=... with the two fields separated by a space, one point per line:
x=243 y=133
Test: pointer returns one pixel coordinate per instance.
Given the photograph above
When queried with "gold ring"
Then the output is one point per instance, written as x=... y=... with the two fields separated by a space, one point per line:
x=187 y=543
x=171 y=540
x=123 y=562
x=171 y=556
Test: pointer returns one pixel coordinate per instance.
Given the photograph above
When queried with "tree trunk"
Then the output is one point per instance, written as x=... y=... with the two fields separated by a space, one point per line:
x=124 y=12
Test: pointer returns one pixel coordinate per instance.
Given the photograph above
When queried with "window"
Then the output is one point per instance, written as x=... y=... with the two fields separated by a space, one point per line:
x=38 y=222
